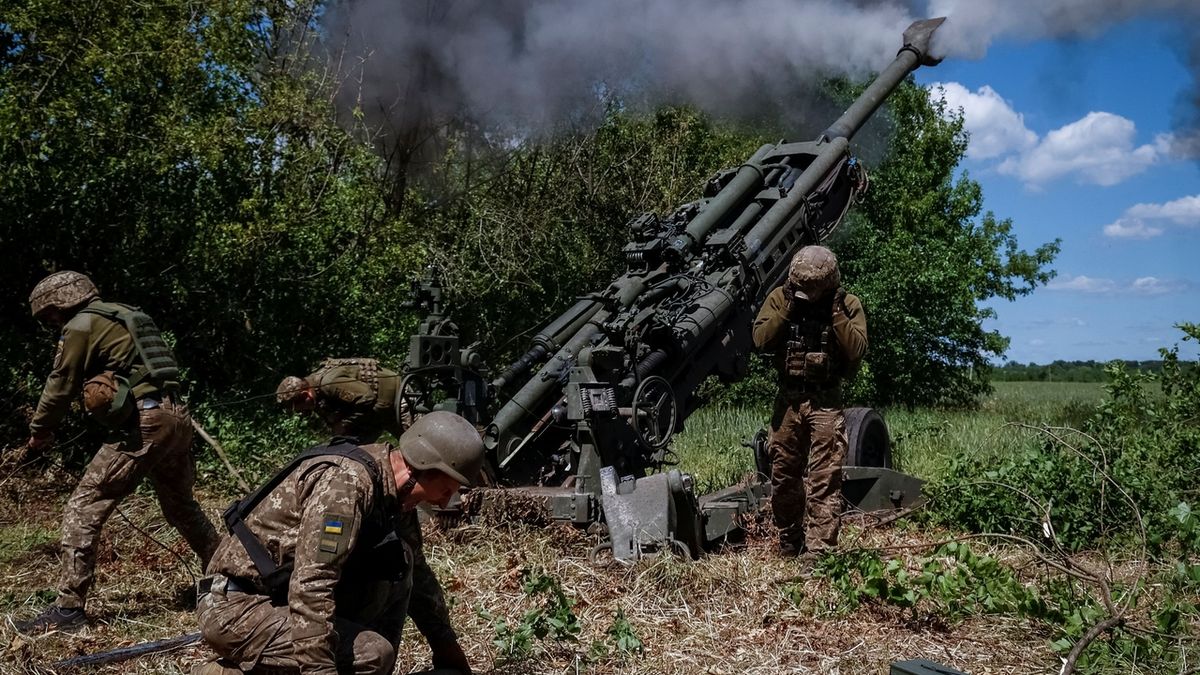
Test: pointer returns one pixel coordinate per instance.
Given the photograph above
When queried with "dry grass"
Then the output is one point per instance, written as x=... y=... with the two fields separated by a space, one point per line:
x=728 y=613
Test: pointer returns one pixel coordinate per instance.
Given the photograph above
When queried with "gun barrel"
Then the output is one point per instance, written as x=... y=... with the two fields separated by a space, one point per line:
x=549 y=339
x=912 y=55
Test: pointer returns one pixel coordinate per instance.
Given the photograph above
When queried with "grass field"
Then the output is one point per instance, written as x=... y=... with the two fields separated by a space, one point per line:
x=740 y=611
x=922 y=439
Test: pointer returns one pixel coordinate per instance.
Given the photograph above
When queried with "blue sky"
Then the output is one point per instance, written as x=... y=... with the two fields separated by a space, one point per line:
x=1069 y=137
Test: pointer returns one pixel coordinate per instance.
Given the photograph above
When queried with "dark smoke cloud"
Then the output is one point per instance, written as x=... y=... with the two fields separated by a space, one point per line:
x=532 y=65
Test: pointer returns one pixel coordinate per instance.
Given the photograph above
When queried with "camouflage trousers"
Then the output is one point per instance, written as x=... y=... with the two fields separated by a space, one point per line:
x=159 y=447
x=807 y=449
x=251 y=631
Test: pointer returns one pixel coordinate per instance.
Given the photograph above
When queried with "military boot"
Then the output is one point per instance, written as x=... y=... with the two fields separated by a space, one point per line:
x=54 y=618
x=217 y=667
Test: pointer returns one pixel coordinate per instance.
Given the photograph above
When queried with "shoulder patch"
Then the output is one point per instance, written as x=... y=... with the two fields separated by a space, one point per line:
x=331 y=542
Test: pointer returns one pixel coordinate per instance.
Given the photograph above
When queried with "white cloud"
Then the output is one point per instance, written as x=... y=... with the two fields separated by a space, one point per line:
x=996 y=129
x=1082 y=284
x=1156 y=286
x=1102 y=286
x=1097 y=149
x=1124 y=228
x=1143 y=221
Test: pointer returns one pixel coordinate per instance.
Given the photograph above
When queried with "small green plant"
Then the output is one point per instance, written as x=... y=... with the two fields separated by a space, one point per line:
x=622 y=634
x=553 y=619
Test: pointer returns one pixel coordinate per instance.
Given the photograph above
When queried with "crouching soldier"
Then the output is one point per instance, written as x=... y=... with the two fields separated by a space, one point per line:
x=324 y=561
x=355 y=397
x=818 y=334
x=114 y=356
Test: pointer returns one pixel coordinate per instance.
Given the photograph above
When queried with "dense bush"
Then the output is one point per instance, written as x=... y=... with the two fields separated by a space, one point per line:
x=1144 y=438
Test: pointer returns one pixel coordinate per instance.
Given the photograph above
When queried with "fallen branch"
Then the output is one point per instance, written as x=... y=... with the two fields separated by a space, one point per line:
x=221 y=453
x=1087 y=639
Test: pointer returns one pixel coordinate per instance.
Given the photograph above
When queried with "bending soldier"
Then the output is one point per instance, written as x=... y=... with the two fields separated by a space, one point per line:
x=355 y=397
x=115 y=356
x=818 y=334
x=324 y=561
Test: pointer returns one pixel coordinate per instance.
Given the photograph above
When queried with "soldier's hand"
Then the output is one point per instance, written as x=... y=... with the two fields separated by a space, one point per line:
x=839 y=302
x=40 y=440
x=450 y=655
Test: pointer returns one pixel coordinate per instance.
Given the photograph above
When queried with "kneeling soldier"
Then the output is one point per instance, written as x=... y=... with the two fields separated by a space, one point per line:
x=324 y=561
x=818 y=334
x=355 y=397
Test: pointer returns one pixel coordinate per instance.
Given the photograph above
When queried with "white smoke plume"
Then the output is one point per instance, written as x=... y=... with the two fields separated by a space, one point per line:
x=534 y=64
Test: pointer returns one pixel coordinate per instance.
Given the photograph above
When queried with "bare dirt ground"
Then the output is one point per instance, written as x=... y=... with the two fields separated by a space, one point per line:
x=742 y=611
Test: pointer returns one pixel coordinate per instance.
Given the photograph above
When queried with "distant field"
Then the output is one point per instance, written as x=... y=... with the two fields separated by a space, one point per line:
x=923 y=439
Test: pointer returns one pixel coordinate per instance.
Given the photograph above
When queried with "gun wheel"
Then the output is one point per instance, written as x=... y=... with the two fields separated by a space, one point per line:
x=655 y=412
x=415 y=397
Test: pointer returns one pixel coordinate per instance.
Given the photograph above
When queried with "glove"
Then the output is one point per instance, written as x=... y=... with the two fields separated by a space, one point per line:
x=449 y=655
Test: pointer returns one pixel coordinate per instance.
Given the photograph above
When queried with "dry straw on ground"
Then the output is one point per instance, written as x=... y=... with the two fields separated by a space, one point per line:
x=743 y=611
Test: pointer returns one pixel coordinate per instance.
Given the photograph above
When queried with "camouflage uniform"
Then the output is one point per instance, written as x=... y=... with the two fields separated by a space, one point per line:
x=155 y=443
x=356 y=397
x=345 y=605
x=808 y=431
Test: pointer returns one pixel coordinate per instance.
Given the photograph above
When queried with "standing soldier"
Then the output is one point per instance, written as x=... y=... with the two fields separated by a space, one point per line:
x=818 y=335
x=355 y=397
x=324 y=561
x=115 y=356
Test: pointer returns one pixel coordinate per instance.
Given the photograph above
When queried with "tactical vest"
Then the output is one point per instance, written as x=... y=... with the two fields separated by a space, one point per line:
x=378 y=553
x=152 y=365
x=811 y=357
x=368 y=371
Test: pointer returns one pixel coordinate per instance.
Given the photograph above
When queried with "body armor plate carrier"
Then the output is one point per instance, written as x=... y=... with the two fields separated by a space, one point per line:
x=811 y=356
x=368 y=371
x=154 y=360
x=379 y=552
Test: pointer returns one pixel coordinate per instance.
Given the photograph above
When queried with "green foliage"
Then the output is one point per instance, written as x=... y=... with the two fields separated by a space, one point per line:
x=553 y=619
x=953 y=583
x=623 y=635
x=1143 y=437
x=186 y=157
x=1066 y=371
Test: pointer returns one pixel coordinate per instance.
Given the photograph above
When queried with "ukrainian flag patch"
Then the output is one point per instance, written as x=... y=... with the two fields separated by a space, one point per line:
x=334 y=526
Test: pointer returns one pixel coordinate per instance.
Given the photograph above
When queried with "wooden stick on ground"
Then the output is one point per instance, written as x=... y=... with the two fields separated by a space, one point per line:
x=221 y=453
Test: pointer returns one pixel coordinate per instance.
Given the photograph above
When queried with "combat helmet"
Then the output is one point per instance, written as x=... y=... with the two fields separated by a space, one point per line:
x=444 y=442
x=813 y=272
x=289 y=389
x=63 y=291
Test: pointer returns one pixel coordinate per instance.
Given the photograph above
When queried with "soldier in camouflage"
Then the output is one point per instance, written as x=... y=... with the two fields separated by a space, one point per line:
x=115 y=357
x=355 y=397
x=324 y=561
x=817 y=334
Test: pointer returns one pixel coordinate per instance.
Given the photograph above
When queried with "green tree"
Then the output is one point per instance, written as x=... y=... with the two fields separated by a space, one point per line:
x=186 y=156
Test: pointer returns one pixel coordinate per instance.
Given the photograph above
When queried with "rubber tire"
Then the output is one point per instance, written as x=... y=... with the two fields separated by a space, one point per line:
x=869 y=443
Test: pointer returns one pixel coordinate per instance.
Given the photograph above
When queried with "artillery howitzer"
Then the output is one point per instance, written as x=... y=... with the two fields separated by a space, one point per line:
x=591 y=407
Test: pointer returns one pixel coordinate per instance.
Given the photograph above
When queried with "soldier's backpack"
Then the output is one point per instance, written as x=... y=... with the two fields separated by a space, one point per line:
x=151 y=366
